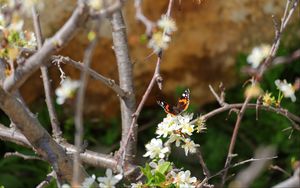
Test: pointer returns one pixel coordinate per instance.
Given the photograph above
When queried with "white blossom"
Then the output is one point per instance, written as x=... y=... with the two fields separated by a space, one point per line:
x=167 y=24
x=159 y=41
x=137 y=185
x=183 y=179
x=167 y=127
x=184 y=124
x=109 y=181
x=156 y=149
x=258 y=54
x=286 y=88
x=189 y=146
x=66 y=90
x=175 y=138
x=65 y=186
x=88 y=181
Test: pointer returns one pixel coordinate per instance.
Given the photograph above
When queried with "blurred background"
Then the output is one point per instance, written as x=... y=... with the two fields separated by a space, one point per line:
x=210 y=46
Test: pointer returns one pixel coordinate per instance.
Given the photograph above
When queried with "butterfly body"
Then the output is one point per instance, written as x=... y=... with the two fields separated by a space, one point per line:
x=182 y=104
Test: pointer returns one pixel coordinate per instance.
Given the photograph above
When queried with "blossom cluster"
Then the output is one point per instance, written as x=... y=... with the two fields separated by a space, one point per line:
x=177 y=130
x=161 y=38
x=13 y=38
x=108 y=181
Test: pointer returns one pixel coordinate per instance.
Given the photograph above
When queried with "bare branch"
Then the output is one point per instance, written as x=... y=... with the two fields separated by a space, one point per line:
x=233 y=138
x=107 y=81
x=125 y=71
x=249 y=174
x=25 y=157
x=202 y=162
x=47 y=181
x=56 y=131
x=38 y=137
x=79 y=110
x=141 y=17
x=88 y=157
x=292 y=182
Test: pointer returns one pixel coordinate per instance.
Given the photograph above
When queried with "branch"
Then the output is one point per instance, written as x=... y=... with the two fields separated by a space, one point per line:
x=249 y=174
x=51 y=46
x=56 y=131
x=107 y=81
x=25 y=157
x=141 y=17
x=292 y=182
x=125 y=71
x=281 y=111
x=79 y=110
x=88 y=157
x=37 y=136
x=47 y=181
x=233 y=138
x=108 y=11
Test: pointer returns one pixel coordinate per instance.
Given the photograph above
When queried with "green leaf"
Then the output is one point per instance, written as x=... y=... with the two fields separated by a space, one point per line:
x=163 y=168
x=159 y=178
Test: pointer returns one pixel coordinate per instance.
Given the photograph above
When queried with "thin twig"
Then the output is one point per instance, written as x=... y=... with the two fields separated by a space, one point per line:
x=46 y=182
x=79 y=110
x=141 y=17
x=23 y=156
x=233 y=138
x=278 y=168
x=240 y=163
x=206 y=172
x=107 y=81
x=56 y=131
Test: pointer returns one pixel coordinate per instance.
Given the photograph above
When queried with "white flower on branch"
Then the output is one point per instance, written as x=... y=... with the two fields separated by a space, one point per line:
x=159 y=41
x=156 y=149
x=88 y=182
x=189 y=146
x=286 y=88
x=66 y=90
x=184 y=124
x=137 y=185
x=175 y=138
x=167 y=24
x=109 y=181
x=183 y=179
x=258 y=54
x=167 y=127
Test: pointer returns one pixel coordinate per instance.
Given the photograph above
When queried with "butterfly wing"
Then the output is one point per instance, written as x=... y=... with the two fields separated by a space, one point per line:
x=182 y=104
x=169 y=109
x=183 y=101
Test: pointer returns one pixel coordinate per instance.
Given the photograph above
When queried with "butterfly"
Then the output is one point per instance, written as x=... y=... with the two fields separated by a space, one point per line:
x=182 y=104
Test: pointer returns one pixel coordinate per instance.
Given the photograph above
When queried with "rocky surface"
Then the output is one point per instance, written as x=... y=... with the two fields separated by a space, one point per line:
x=202 y=51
